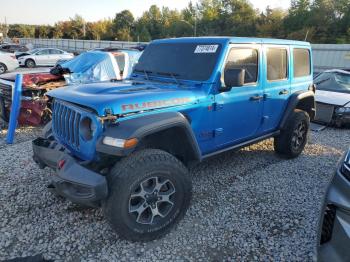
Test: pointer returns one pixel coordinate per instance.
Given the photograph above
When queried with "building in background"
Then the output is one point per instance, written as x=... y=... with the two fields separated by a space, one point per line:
x=331 y=56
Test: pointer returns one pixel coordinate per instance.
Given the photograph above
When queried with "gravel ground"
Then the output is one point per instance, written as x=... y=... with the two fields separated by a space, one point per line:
x=247 y=205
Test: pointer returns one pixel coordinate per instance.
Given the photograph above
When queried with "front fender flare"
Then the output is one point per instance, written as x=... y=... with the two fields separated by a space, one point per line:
x=146 y=125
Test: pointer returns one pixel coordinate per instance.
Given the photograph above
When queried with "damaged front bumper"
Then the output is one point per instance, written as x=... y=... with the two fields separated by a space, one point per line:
x=35 y=109
x=72 y=181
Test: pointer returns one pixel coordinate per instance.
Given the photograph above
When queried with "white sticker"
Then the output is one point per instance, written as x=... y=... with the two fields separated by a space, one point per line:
x=201 y=49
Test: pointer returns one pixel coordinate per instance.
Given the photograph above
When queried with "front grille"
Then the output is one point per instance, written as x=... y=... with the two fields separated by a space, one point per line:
x=324 y=113
x=6 y=91
x=66 y=123
x=328 y=223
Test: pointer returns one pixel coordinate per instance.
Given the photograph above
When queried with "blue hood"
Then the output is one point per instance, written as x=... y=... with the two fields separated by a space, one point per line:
x=128 y=96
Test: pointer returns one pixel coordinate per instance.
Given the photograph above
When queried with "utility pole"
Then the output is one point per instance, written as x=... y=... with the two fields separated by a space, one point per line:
x=84 y=29
x=6 y=28
x=195 y=24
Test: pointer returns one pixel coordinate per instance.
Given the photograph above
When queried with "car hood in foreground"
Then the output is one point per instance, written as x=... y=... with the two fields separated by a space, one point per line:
x=332 y=98
x=128 y=96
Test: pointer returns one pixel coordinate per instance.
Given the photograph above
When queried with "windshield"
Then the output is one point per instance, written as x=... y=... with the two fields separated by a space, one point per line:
x=33 y=50
x=337 y=82
x=187 y=61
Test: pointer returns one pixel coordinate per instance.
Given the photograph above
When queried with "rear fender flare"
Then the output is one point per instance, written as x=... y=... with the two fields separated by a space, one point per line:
x=303 y=100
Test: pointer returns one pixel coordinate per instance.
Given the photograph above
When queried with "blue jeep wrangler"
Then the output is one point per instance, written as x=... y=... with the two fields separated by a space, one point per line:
x=126 y=145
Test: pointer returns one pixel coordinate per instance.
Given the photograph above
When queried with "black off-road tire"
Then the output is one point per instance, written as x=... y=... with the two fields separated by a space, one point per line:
x=125 y=179
x=30 y=63
x=292 y=140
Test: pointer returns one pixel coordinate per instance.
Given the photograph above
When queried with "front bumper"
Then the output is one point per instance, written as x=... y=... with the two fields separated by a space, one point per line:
x=21 y=62
x=72 y=181
x=334 y=236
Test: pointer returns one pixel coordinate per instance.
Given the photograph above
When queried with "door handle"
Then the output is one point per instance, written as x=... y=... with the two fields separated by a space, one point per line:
x=256 y=98
x=283 y=92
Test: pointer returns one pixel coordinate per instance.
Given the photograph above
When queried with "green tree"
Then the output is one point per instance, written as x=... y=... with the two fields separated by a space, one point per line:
x=123 y=24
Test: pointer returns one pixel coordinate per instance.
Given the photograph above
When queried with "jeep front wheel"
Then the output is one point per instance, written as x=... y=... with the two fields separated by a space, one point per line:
x=149 y=192
x=292 y=140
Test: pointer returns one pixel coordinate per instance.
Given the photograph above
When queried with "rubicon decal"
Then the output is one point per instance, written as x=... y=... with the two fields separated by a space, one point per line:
x=155 y=104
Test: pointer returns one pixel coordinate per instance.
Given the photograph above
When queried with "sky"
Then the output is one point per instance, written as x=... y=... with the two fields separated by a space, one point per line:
x=51 y=11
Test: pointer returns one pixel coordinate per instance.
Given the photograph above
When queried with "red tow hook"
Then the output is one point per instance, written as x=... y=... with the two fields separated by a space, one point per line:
x=61 y=164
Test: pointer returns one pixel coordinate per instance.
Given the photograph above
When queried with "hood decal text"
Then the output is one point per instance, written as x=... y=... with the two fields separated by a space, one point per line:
x=155 y=104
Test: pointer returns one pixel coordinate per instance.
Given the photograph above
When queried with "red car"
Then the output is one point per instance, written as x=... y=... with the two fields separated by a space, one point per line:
x=35 y=106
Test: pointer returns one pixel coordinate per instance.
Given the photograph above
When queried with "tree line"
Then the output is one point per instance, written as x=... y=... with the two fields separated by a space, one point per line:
x=317 y=21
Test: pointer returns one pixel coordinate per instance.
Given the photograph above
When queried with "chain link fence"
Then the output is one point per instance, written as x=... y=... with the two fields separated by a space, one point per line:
x=77 y=46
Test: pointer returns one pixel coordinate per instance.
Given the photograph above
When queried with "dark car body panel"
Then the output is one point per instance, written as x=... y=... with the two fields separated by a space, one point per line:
x=334 y=230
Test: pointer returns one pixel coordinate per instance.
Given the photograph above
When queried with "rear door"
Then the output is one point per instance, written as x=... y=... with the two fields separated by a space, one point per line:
x=277 y=85
x=238 y=112
x=54 y=56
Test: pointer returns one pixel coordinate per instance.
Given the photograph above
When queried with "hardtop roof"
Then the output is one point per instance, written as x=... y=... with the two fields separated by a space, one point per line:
x=238 y=40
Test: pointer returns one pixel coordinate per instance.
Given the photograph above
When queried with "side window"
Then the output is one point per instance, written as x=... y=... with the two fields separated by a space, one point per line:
x=55 y=52
x=43 y=52
x=244 y=58
x=277 y=63
x=302 y=66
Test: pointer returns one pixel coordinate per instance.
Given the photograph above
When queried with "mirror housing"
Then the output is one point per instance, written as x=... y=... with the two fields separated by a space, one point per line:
x=233 y=78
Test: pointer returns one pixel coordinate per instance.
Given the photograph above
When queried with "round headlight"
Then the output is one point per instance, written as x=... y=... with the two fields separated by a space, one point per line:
x=87 y=128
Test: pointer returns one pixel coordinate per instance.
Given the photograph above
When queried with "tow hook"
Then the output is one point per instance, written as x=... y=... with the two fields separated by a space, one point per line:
x=51 y=186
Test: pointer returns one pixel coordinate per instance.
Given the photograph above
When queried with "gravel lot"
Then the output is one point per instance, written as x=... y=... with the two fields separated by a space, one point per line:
x=247 y=205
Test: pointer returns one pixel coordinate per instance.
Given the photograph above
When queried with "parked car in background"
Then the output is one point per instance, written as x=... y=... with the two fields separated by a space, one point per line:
x=43 y=57
x=333 y=97
x=8 y=62
x=334 y=226
x=12 y=48
x=18 y=54
x=86 y=68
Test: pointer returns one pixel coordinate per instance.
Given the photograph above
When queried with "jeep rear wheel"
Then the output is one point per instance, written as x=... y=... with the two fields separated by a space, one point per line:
x=292 y=140
x=149 y=192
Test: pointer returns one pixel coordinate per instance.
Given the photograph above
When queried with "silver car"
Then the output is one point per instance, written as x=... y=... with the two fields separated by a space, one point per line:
x=43 y=57
x=334 y=232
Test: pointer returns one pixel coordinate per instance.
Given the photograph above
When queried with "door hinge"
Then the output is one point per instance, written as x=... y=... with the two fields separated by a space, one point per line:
x=218 y=106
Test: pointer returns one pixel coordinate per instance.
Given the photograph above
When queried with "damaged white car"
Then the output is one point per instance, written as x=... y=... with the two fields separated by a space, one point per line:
x=333 y=98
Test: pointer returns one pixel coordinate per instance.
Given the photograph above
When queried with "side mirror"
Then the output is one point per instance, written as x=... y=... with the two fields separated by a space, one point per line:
x=233 y=78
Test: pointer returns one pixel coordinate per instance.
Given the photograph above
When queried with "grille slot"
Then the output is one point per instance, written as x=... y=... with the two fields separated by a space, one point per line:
x=66 y=123
x=345 y=170
x=328 y=224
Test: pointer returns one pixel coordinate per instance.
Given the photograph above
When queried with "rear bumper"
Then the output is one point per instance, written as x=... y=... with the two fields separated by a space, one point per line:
x=73 y=181
x=335 y=222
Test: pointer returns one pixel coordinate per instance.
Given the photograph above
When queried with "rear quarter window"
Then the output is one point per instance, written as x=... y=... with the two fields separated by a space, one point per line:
x=302 y=66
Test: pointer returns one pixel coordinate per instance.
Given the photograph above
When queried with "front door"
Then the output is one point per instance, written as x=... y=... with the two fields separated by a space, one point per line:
x=238 y=112
x=42 y=57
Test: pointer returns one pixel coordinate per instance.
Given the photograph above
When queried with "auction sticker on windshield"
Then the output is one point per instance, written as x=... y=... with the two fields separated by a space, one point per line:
x=200 y=49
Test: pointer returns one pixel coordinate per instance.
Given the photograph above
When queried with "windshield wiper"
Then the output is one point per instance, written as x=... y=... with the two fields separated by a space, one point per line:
x=170 y=74
x=145 y=72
